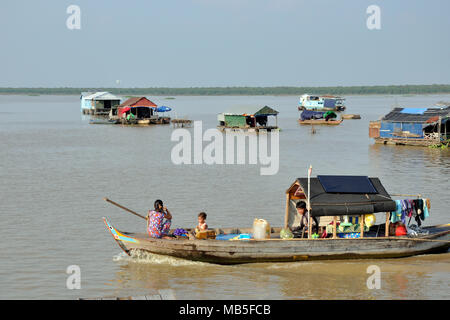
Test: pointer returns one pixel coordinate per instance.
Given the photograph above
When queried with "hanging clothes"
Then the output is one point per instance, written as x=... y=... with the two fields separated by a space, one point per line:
x=397 y=214
x=426 y=209
x=417 y=208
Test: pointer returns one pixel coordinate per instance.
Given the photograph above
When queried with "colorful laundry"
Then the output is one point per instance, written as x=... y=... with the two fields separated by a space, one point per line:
x=417 y=208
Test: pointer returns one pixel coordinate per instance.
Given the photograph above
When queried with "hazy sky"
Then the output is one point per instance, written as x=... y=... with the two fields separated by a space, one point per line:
x=189 y=43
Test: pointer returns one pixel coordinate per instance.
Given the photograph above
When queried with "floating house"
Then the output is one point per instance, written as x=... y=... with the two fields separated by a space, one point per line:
x=139 y=110
x=413 y=126
x=321 y=103
x=98 y=103
x=252 y=118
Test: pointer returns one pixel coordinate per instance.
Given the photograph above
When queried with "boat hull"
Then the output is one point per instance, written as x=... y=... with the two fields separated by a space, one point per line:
x=321 y=122
x=338 y=109
x=277 y=250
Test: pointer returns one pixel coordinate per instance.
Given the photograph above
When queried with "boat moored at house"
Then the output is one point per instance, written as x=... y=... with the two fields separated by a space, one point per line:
x=413 y=126
x=249 y=118
x=139 y=111
x=321 y=103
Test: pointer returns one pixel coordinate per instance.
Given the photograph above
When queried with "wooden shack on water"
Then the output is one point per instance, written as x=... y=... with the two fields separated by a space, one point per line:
x=138 y=110
x=251 y=118
x=98 y=103
x=413 y=126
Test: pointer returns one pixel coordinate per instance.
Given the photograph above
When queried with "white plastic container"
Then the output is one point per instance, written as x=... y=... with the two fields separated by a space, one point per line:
x=261 y=229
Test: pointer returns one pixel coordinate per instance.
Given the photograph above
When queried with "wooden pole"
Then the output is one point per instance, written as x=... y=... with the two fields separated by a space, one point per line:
x=420 y=239
x=406 y=195
x=334 y=226
x=361 y=224
x=124 y=208
x=386 y=233
x=309 y=201
x=286 y=216
x=440 y=128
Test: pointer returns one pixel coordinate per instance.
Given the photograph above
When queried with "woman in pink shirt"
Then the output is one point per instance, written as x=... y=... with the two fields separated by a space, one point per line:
x=159 y=221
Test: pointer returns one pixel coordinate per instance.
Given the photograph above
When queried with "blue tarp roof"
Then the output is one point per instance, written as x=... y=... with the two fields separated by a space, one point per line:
x=407 y=115
x=414 y=110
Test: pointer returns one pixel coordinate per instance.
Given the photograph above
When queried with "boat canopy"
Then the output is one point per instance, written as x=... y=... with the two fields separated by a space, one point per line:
x=343 y=195
x=308 y=115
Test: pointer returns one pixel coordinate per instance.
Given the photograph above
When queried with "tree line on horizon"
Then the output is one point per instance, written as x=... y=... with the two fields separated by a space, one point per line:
x=216 y=91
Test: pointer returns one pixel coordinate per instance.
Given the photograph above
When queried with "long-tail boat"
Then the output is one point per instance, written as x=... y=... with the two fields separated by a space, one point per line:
x=330 y=198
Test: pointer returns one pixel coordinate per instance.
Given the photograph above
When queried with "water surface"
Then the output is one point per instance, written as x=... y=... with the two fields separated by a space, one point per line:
x=55 y=168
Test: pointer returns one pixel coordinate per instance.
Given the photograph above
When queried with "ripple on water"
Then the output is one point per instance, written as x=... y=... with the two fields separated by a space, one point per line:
x=144 y=257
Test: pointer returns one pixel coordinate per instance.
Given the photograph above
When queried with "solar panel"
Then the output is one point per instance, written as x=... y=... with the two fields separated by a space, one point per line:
x=347 y=184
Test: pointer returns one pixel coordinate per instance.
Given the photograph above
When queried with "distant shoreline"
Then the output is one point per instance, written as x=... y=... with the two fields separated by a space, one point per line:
x=241 y=91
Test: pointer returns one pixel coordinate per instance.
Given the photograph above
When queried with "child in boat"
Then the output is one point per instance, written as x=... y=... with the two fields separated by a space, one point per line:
x=159 y=221
x=202 y=226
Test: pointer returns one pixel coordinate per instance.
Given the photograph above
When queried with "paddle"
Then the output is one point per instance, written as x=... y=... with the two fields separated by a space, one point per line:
x=124 y=208
x=421 y=239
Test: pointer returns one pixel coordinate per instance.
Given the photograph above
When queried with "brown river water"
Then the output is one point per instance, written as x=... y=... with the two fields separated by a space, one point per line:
x=55 y=168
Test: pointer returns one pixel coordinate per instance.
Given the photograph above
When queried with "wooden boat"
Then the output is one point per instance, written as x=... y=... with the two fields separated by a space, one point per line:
x=351 y=116
x=319 y=117
x=278 y=250
x=141 y=122
x=321 y=103
x=321 y=122
x=248 y=129
x=356 y=197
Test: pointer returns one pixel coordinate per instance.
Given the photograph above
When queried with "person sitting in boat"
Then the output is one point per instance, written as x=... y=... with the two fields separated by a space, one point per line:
x=201 y=222
x=159 y=221
x=302 y=229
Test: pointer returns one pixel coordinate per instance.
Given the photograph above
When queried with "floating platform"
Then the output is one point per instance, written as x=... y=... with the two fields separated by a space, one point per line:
x=351 y=116
x=248 y=129
x=408 y=142
x=177 y=123
x=103 y=121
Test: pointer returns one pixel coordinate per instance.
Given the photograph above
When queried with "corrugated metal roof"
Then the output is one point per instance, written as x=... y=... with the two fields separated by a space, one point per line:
x=251 y=110
x=403 y=115
x=138 y=101
x=103 y=95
